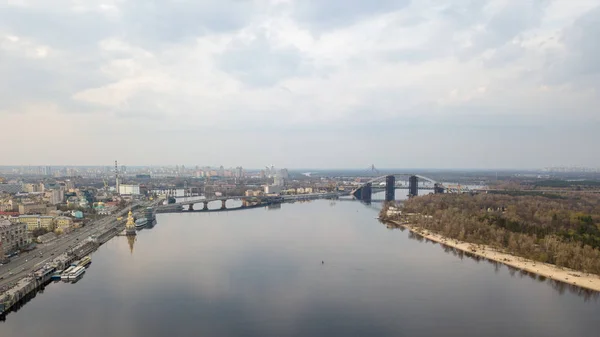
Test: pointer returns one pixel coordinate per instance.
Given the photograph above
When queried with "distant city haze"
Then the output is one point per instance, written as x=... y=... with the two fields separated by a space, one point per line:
x=301 y=84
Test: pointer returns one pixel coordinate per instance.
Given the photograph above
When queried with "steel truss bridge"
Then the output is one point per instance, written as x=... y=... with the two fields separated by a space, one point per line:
x=365 y=191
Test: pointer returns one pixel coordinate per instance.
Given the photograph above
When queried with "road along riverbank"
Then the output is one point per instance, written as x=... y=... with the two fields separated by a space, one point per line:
x=569 y=276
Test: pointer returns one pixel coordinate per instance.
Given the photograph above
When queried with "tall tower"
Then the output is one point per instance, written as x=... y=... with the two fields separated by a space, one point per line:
x=117 y=177
x=130 y=225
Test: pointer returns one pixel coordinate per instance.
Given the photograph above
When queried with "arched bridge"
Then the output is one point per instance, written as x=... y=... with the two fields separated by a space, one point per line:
x=247 y=202
x=365 y=191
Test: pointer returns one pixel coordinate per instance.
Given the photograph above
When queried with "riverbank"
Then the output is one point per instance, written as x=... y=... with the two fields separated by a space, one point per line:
x=569 y=276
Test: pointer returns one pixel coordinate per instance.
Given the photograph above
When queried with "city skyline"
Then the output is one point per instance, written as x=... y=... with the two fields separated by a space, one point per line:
x=314 y=84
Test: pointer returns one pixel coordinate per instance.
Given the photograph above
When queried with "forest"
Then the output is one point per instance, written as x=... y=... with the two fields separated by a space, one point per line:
x=562 y=231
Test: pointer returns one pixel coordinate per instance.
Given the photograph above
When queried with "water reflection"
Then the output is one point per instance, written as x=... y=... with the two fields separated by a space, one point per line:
x=272 y=207
x=131 y=241
x=259 y=273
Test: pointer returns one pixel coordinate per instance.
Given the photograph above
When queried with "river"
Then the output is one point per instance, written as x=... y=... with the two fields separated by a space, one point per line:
x=320 y=268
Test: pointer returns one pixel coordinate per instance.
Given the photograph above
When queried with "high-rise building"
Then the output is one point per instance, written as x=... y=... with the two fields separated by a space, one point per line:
x=284 y=173
x=58 y=196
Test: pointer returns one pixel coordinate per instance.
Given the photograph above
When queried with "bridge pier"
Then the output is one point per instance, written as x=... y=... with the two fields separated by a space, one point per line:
x=364 y=193
x=205 y=208
x=413 y=186
x=191 y=207
x=390 y=188
x=223 y=204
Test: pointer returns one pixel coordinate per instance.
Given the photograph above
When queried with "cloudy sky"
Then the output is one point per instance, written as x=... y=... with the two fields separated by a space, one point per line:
x=301 y=83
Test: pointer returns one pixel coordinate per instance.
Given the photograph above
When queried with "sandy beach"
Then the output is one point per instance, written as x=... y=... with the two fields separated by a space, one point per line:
x=580 y=279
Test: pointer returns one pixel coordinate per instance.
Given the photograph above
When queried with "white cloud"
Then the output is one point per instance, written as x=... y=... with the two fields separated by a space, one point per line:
x=224 y=68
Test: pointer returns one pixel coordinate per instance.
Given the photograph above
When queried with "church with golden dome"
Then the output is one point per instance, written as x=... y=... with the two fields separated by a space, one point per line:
x=130 y=225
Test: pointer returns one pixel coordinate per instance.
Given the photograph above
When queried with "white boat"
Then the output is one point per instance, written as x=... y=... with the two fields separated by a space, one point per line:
x=78 y=271
x=65 y=274
x=139 y=223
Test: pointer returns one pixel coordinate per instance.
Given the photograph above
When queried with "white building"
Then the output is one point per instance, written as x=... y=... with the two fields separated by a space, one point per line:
x=272 y=189
x=57 y=196
x=129 y=189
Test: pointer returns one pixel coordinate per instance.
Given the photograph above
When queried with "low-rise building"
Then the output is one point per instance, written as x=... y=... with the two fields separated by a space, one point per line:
x=12 y=237
x=253 y=193
x=62 y=222
x=107 y=210
x=46 y=237
x=37 y=221
x=33 y=208
x=8 y=206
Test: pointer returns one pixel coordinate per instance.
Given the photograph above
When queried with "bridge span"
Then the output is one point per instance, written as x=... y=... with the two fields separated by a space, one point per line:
x=365 y=191
x=247 y=202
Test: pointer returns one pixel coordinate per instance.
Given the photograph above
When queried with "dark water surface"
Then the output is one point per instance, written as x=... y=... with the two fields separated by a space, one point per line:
x=259 y=273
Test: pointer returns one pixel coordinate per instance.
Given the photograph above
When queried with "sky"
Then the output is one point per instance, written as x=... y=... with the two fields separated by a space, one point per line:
x=301 y=83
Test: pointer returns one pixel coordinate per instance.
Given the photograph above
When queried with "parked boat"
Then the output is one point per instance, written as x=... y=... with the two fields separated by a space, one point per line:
x=65 y=274
x=75 y=273
x=86 y=261
x=56 y=275
x=141 y=222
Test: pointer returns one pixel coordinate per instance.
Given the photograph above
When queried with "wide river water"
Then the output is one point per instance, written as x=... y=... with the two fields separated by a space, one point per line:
x=321 y=268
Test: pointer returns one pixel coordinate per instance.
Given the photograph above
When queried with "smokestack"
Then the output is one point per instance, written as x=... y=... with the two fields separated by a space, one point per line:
x=117 y=177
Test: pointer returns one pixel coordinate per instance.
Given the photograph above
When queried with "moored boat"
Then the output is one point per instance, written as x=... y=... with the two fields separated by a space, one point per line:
x=56 y=275
x=141 y=222
x=85 y=261
x=65 y=274
x=75 y=273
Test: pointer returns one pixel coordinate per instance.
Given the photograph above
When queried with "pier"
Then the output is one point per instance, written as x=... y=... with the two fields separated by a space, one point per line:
x=25 y=288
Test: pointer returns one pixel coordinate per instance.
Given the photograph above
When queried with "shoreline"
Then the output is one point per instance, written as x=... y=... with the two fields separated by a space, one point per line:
x=565 y=275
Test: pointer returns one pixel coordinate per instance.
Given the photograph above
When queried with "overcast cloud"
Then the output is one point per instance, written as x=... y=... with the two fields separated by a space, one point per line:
x=301 y=83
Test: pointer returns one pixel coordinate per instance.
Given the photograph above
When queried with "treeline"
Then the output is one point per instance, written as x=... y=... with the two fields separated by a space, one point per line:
x=564 y=232
x=530 y=193
x=567 y=183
